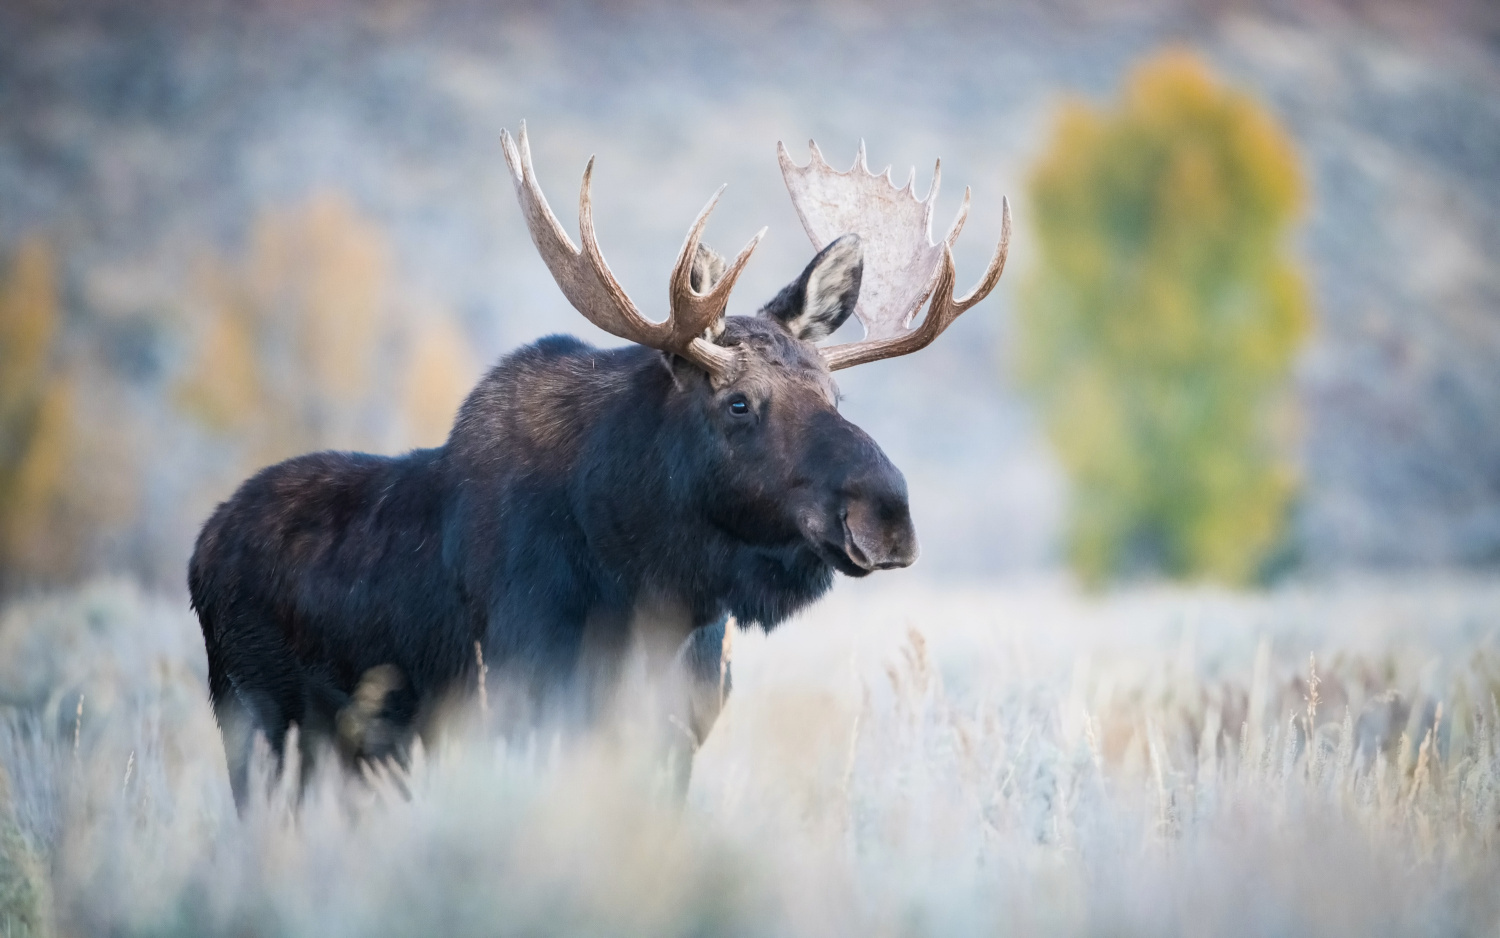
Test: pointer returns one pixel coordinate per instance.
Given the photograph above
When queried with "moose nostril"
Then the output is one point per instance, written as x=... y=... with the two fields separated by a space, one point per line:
x=878 y=533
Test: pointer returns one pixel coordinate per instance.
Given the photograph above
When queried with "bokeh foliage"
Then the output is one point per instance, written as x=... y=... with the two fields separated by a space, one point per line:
x=292 y=337
x=1160 y=325
x=36 y=415
x=68 y=456
x=308 y=343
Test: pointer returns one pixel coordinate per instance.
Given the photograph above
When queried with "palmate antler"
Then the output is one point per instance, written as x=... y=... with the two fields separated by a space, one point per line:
x=585 y=279
x=903 y=268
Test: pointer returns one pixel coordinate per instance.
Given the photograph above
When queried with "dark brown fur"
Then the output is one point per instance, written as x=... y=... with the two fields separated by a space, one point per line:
x=586 y=500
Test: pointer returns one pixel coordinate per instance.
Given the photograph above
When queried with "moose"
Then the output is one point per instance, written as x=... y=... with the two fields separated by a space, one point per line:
x=588 y=501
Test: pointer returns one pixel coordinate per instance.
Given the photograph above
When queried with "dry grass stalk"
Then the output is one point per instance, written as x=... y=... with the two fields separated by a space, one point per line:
x=726 y=652
x=1289 y=751
x=846 y=783
x=1091 y=736
x=1312 y=696
x=975 y=789
x=482 y=677
x=1422 y=775
x=1345 y=756
x=1419 y=774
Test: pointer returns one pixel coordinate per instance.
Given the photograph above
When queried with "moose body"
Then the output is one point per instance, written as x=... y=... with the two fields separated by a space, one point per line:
x=581 y=490
x=586 y=502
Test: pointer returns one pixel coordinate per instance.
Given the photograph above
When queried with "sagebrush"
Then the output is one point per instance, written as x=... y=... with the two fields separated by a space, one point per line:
x=898 y=761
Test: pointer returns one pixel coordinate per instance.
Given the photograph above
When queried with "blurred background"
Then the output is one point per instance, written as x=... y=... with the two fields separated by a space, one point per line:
x=1250 y=328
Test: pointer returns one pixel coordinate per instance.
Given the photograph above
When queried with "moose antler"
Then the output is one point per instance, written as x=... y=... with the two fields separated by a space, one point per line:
x=586 y=280
x=903 y=267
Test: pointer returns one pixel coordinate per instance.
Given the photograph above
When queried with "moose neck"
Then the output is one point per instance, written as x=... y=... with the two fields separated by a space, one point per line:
x=623 y=458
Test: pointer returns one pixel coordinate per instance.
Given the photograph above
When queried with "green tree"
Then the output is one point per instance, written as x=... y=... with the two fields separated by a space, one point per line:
x=1160 y=325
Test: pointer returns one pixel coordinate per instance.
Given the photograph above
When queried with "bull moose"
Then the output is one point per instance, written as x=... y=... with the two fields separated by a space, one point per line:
x=589 y=501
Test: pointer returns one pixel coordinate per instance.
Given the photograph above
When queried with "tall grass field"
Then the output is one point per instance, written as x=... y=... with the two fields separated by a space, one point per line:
x=899 y=761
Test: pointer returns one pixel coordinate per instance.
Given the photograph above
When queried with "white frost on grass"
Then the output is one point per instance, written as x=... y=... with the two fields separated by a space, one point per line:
x=897 y=761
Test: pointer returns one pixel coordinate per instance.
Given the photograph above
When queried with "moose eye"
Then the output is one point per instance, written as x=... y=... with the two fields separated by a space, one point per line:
x=739 y=406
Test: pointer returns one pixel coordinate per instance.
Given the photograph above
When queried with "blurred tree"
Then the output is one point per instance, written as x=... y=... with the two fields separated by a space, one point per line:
x=1159 y=327
x=36 y=420
x=294 y=338
x=68 y=479
x=440 y=372
x=299 y=339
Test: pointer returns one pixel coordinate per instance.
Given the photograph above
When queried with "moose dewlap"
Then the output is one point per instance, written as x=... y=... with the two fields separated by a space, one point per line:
x=590 y=505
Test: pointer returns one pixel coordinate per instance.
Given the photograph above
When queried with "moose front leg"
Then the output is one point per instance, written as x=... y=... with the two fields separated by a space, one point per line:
x=650 y=669
x=697 y=686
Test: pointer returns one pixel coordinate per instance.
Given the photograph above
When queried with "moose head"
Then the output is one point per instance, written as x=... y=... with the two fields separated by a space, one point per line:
x=784 y=468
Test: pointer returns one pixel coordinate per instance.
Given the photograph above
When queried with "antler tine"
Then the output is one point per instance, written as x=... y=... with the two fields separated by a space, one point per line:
x=997 y=260
x=619 y=317
x=955 y=229
x=693 y=312
x=583 y=276
x=941 y=312
x=903 y=269
x=586 y=280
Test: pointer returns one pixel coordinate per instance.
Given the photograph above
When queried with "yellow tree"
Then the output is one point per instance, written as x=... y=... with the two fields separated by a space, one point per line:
x=308 y=345
x=440 y=371
x=36 y=416
x=294 y=339
x=1160 y=325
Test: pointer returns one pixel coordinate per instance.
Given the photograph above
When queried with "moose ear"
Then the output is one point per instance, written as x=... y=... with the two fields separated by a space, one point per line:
x=707 y=270
x=813 y=306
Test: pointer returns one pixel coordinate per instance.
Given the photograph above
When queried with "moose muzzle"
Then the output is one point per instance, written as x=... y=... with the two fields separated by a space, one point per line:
x=878 y=533
x=864 y=522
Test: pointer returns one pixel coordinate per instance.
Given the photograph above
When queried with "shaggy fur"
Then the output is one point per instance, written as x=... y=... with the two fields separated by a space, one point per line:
x=584 y=498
